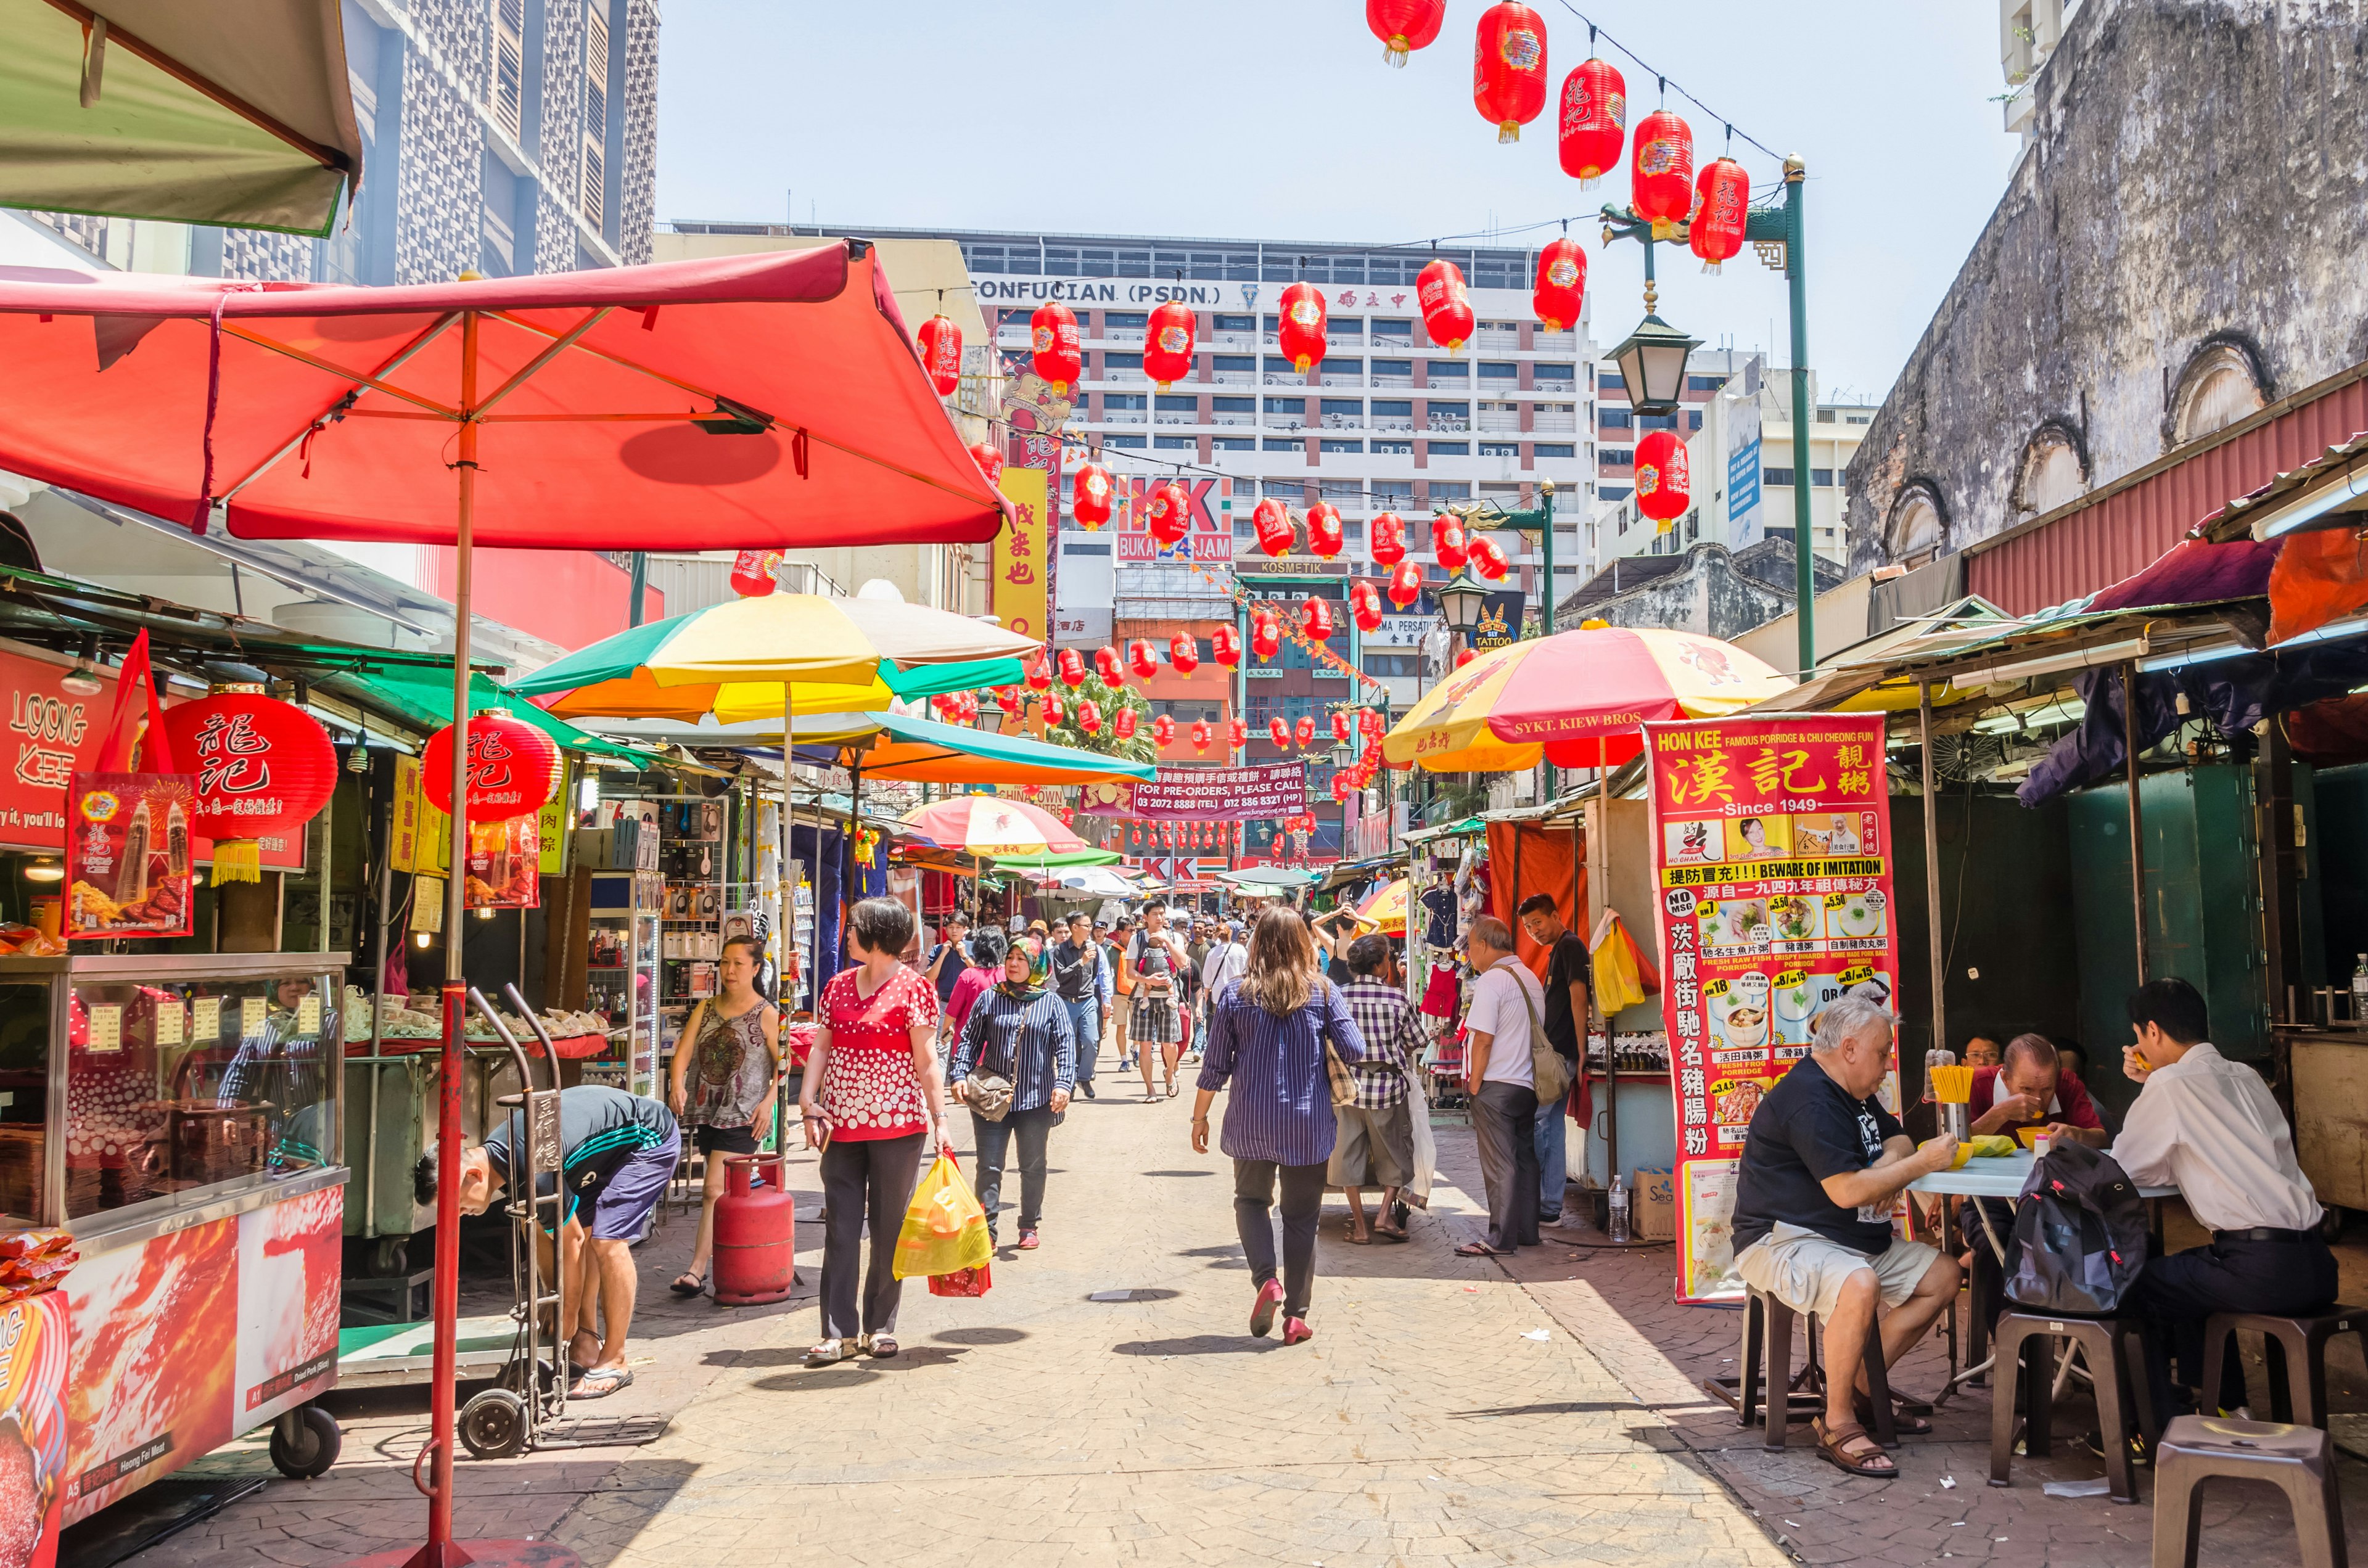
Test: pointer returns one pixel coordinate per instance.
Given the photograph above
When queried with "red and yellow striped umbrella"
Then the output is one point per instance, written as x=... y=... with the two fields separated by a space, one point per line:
x=1574 y=698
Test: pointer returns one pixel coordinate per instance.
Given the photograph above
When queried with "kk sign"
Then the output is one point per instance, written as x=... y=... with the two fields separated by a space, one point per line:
x=1211 y=510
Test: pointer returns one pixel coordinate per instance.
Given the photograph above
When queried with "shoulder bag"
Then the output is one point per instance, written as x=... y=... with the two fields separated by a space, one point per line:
x=1549 y=1072
x=1344 y=1082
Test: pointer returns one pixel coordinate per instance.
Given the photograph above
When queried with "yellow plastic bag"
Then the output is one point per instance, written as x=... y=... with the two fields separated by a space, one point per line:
x=945 y=1228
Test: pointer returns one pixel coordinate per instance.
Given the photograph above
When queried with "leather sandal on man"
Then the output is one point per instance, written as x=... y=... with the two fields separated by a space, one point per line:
x=1851 y=1450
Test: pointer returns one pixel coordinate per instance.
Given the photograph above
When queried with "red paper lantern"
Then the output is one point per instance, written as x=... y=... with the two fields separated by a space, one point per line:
x=989 y=459
x=1239 y=729
x=513 y=767
x=1108 y=668
x=1038 y=673
x=1304 y=731
x=1053 y=709
x=1404 y=26
x=1271 y=518
x=1594 y=121
x=1089 y=718
x=264 y=767
x=1562 y=284
x=1168 y=513
x=1277 y=731
x=1339 y=726
x=1301 y=336
x=1122 y=723
x=1446 y=308
x=941 y=342
x=1142 y=658
x=1163 y=729
x=1663 y=483
x=1365 y=605
x=1073 y=668
x=752 y=573
x=1340 y=787
x=1722 y=205
x=1266 y=634
x=1325 y=535
x=1182 y=655
x=1007 y=696
x=1488 y=558
x=1387 y=534
x=1167 y=344
x=1406 y=584
x=1089 y=497
x=1465 y=656
x=1315 y=618
x=1509 y=68
x=1225 y=646
x=1200 y=736
x=1663 y=173
x=1369 y=724
x=1055 y=348
x=1448 y=542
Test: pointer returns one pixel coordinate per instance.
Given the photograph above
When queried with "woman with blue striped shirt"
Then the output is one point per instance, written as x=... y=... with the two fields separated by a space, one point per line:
x=1266 y=1034
x=1020 y=1034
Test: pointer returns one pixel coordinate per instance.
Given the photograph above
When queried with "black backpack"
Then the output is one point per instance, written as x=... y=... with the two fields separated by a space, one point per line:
x=2079 y=1234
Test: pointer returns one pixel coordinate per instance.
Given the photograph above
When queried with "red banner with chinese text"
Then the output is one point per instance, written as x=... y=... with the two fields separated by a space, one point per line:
x=1773 y=862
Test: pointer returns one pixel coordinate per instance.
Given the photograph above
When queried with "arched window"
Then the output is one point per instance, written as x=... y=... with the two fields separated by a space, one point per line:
x=2220 y=386
x=2053 y=471
x=1916 y=527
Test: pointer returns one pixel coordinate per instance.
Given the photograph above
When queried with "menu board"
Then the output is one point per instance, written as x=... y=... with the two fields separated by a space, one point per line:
x=1772 y=859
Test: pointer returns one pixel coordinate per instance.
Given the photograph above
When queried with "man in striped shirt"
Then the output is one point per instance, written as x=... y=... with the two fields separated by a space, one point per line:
x=1376 y=1138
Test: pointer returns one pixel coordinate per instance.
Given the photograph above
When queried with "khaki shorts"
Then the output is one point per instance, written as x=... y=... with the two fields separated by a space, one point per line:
x=1372 y=1148
x=1806 y=1272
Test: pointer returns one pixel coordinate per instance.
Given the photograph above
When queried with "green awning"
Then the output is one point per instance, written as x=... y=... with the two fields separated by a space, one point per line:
x=897 y=745
x=1055 y=862
x=422 y=698
x=1468 y=826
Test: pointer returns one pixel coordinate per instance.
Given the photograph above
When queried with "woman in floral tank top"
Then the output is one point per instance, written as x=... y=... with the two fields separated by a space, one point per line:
x=873 y=1091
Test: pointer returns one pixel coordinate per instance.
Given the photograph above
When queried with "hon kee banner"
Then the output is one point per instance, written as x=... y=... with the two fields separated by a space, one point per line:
x=1772 y=869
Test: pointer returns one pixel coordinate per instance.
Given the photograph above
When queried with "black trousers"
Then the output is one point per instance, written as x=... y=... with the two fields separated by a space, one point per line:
x=864 y=1179
x=2175 y=1294
x=1504 y=1123
x=993 y=1140
x=1302 y=1201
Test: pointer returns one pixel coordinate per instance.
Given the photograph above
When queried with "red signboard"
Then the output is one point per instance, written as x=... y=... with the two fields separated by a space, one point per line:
x=1773 y=878
x=1211 y=794
x=1211 y=536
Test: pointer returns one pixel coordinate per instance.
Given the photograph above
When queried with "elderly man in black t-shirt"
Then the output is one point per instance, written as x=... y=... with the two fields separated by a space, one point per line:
x=1823 y=1163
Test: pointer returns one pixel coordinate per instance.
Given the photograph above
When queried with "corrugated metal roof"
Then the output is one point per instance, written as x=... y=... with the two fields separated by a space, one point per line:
x=2120 y=529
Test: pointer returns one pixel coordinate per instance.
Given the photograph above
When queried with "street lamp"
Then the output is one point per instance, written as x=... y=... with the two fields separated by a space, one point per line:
x=1461 y=601
x=1653 y=365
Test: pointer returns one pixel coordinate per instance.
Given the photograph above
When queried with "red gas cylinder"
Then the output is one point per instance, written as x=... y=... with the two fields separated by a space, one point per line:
x=756 y=1233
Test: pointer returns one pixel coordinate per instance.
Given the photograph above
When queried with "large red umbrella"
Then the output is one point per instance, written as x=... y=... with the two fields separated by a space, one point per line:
x=764 y=400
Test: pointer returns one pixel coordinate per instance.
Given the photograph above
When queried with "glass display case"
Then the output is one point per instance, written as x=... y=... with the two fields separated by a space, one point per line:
x=623 y=975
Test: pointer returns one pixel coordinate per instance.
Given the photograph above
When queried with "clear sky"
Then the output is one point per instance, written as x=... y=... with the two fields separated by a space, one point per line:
x=1278 y=120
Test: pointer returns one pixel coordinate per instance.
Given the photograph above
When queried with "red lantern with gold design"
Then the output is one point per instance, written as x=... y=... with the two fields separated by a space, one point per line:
x=1487 y=558
x=1339 y=726
x=1404 y=26
x=1315 y=618
x=1073 y=668
x=1277 y=731
x=1387 y=534
x=1055 y=347
x=1663 y=168
x=1225 y=646
x=1089 y=718
x=1369 y=724
x=1272 y=519
x=1167 y=512
x=1142 y=658
x=513 y=767
x=266 y=768
x=1365 y=605
x=1182 y=655
x=1664 y=486
x=1722 y=205
x=1038 y=671
x=1089 y=497
x=1325 y=534
x=1447 y=540
x=1239 y=729
x=752 y=573
x=1108 y=668
x=1594 y=121
x=1446 y=308
x=940 y=343
x=1301 y=335
x=1304 y=731
x=1561 y=292
x=989 y=458
x=1122 y=723
x=1509 y=68
x=1200 y=736
x=1406 y=584
x=1163 y=730
x=1054 y=709
x=1266 y=633
x=1167 y=344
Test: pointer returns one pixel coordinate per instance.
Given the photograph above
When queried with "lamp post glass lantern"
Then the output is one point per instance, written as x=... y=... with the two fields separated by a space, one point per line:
x=1461 y=601
x=1653 y=365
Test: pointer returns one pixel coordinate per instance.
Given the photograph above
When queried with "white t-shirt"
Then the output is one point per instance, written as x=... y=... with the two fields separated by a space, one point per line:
x=1498 y=1010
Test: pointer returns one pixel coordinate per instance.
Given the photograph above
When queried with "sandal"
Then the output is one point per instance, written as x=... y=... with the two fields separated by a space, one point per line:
x=825 y=1352
x=1171 y=1089
x=602 y=1383
x=1478 y=1249
x=1357 y=1239
x=880 y=1347
x=696 y=1283
x=1389 y=1233
x=1873 y=1461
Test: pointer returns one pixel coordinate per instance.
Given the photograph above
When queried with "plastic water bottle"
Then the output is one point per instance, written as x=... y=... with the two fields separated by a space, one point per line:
x=1618 y=1216
x=2360 y=990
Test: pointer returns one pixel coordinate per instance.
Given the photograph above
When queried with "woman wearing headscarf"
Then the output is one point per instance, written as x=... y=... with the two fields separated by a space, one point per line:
x=1017 y=1056
x=1268 y=1032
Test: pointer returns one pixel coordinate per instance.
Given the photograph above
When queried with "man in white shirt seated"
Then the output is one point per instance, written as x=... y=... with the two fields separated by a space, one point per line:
x=2208 y=1126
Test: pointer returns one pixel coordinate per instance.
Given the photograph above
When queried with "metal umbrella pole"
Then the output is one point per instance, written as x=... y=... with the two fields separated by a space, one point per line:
x=788 y=932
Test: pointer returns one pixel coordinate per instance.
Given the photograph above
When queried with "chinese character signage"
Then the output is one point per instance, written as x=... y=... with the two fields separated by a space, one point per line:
x=1020 y=554
x=1772 y=868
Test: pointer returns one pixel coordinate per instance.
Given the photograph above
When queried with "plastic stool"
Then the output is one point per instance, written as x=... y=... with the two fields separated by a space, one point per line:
x=2298 y=1461
x=2285 y=1340
x=2025 y=1351
x=1767 y=1322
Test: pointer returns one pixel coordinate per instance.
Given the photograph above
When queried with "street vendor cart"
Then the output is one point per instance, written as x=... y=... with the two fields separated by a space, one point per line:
x=177 y=1113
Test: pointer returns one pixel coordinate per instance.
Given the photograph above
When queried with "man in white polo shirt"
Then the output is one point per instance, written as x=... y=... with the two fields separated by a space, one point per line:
x=1507 y=1004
